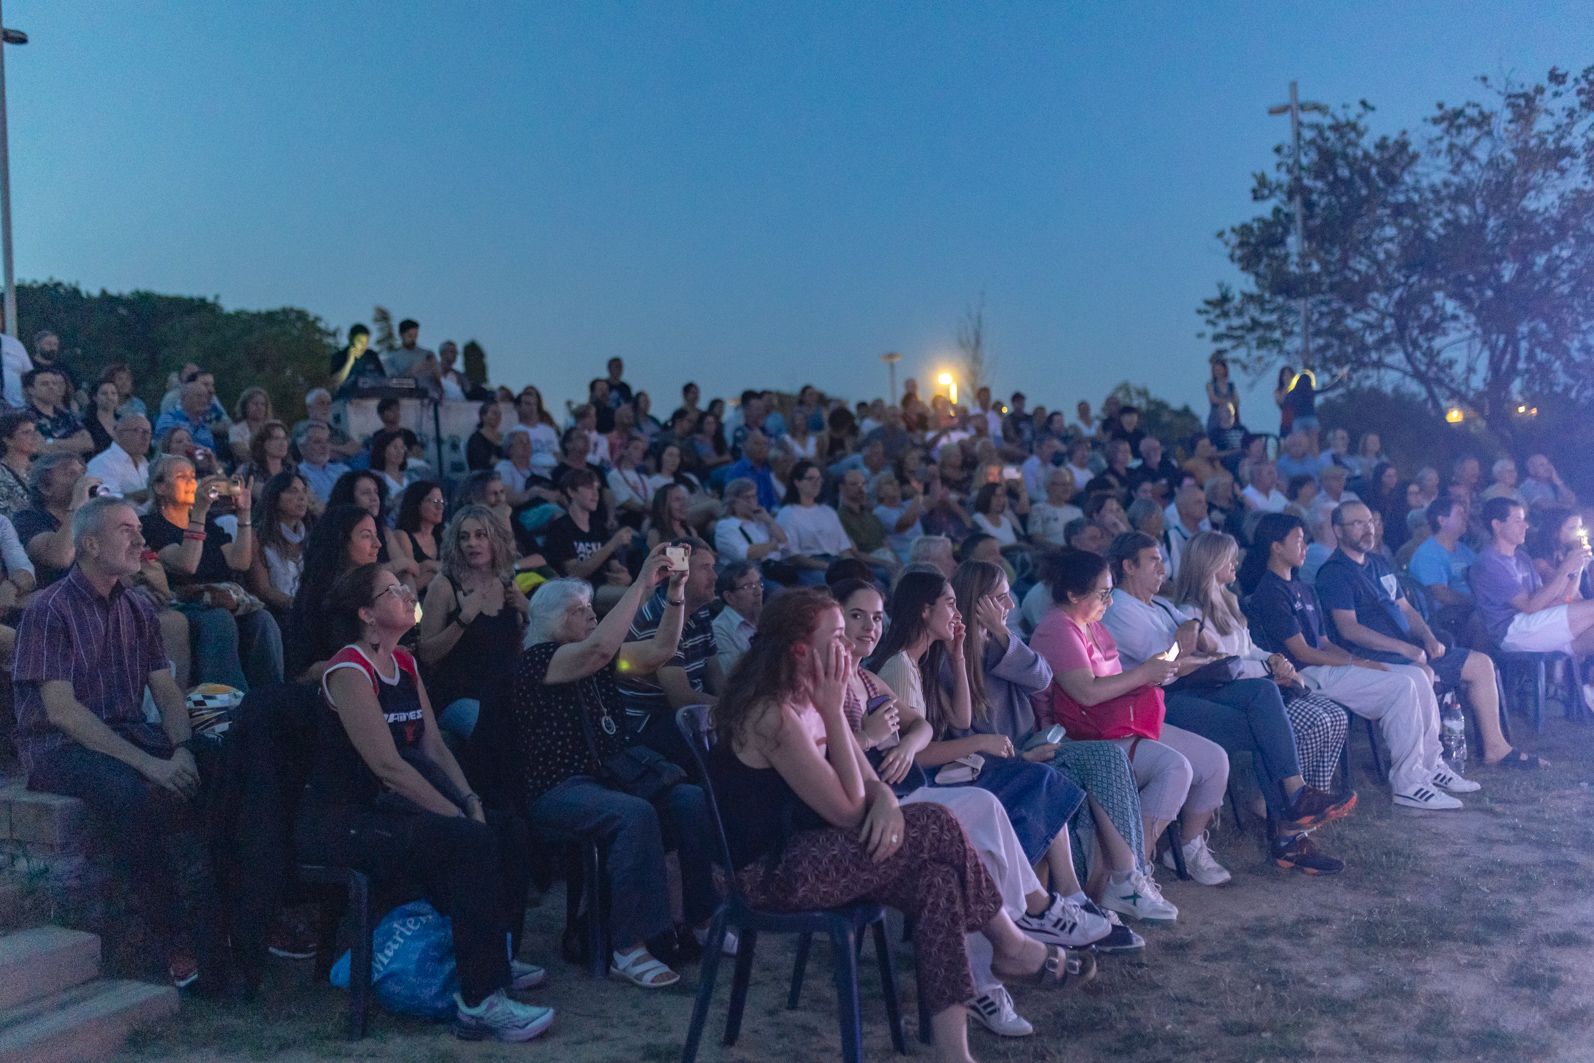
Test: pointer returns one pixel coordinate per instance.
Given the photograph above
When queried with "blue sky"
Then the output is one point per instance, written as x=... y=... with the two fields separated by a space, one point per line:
x=744 y=193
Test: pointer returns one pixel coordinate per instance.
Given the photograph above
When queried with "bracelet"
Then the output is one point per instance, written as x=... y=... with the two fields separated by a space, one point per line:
x=472 y=797
x=672 y=601
x=197 y=536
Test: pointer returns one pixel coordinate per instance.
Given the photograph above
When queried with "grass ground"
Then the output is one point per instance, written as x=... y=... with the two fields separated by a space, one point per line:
x=1451 y=936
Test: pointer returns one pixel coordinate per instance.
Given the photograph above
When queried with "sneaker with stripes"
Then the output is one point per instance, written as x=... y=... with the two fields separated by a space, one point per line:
x=1427 y=797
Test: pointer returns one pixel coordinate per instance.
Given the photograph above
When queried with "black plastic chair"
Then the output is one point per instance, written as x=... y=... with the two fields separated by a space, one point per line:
x=844 y=926
x=586 y=889
x=358 y=887
x=1536 y=666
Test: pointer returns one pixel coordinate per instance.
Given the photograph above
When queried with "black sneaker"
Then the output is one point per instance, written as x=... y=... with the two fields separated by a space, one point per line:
x=1298 y=853
x=1120 y=938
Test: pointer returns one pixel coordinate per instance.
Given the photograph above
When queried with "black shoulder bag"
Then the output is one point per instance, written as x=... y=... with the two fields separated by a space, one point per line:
x=634 y=769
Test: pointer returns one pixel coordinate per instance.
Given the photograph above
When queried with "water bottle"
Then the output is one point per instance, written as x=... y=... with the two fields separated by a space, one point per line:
x=1453 y=733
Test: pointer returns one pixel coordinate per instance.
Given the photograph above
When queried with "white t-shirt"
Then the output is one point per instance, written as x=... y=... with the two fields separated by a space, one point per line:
x=1002 y=529
x=1272 y=502
x=114 y=468
x=14 y=362
x=1046 y=521
x=544 y=446
x=813 y=530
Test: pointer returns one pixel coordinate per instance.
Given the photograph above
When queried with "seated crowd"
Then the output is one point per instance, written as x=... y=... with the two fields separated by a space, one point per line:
x=986 y=666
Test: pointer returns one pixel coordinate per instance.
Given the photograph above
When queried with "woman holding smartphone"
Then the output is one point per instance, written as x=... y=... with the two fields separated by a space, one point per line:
x=890 y=735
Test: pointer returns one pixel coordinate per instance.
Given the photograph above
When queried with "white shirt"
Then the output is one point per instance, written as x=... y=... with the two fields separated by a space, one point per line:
x=629 y=485
x=1035 y=471
x=544 y=446
x=1047 y=522
x=14 y=362
x=813 y=530
x=733 y=634
x=732 y=537
x=1272 y=502
x=1002 y=530
x=119 y=470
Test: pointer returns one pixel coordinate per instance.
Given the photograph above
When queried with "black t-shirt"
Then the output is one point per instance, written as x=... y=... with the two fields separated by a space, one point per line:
x=481 y=452
x=160 y=533
x=1279 y=611
x=564 y=542
x=29 y=523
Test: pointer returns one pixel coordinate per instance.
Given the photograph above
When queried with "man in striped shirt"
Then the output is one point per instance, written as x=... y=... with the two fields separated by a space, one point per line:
x=692 y=676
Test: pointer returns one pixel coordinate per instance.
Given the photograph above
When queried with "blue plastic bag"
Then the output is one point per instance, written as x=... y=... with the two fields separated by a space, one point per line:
x=412 y=963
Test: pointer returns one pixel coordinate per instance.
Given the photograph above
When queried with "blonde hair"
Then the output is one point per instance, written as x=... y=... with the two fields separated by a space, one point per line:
x=1197 y=586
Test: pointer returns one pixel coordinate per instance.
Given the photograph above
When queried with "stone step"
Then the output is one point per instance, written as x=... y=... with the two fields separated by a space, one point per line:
x=41 y=823
x=43 y=960
x=85 y=1022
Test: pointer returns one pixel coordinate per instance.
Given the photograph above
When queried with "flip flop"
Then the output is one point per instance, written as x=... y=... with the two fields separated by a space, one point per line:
x=1515 y=758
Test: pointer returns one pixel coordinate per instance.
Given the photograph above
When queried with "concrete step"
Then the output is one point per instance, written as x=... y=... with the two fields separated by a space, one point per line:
x=41 y=823
x=44 y=960
x=82 y=1023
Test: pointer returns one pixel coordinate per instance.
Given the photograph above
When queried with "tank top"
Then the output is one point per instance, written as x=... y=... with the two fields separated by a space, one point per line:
x=488 y=646
x=759 y=810
x=415 y=548
x=338 y=774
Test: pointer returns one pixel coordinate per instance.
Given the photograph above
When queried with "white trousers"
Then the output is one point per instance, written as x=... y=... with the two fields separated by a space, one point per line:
x=985 y=821
x=1402 y=701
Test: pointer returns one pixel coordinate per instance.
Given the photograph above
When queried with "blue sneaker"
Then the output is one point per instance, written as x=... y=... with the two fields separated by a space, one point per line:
x=499 y=1018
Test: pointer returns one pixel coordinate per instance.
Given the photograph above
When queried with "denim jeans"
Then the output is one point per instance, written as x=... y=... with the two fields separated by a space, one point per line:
x=135 y=817
x=635 y=833
x=238 y=651
x=1245 y=716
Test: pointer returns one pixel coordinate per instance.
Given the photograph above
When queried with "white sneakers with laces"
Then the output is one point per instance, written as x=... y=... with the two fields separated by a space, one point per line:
x=994 y=1010
x=1202 y=866
x=1065 y=923
x=1446 y=779
x=1137 y=896
x=1427 y=797
x=499 y=1018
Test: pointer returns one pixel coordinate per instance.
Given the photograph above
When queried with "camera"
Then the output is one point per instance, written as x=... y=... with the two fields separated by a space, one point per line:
x=230 y=488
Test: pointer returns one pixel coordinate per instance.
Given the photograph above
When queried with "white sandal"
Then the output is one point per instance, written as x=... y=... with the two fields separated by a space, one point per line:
x=642 y=968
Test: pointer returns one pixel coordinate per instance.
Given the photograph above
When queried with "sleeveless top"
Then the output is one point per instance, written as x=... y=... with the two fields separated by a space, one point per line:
x=759 y=809
x=415 y=548
x=338 y=774
x=487 y=646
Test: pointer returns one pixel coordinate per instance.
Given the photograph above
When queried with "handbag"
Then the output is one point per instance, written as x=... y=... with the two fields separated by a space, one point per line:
x=1212 y=674
x=633 y=769
x=1139 y=712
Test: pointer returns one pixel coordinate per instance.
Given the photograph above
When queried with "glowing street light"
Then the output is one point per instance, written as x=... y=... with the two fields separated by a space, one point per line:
x=1455 y=415
x=951 y=385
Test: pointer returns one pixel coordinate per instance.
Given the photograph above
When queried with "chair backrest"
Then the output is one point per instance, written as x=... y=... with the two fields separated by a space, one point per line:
x=693 y=723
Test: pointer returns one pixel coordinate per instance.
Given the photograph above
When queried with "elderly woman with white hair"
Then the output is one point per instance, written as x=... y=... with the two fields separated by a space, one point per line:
x=581 y=776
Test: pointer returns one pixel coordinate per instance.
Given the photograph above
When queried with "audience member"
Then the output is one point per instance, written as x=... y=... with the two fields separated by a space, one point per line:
x=20 y=443
x=282 y=525
x=320 y=472
x=57 y=488
x=345 y=538
x=123 y=467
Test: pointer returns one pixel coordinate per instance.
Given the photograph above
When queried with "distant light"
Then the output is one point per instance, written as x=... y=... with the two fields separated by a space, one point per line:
x=1522 y=407
x=945 y=380
x=1454 y=415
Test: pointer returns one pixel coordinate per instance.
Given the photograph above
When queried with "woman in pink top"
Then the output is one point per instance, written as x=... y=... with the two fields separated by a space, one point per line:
x=1178 y=772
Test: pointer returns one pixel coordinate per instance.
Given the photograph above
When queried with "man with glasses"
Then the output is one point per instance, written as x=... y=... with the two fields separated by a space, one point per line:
x=123 y=467
x=740 y=587
x=1523 y=612
x=1370 y=616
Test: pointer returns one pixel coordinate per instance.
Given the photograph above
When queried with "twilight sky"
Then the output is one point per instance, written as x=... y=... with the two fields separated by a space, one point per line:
x=755 y=193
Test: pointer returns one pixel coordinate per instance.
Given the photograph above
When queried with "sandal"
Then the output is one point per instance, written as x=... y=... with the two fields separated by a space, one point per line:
x=1060 y=967
x=1515 y=758
x=640 y=968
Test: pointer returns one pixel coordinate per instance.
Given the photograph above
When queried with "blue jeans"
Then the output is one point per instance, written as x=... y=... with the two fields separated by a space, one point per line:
x=458 y=719
x=237 y=651
x=635 y=833
x=135 y=817
x=1245 y=716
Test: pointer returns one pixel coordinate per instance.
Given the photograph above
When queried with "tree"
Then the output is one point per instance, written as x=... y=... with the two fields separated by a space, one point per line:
x=1460 y=261
x=1159 y=417
x=475 y=363
x=285 y=351
x=383 y=336
x=971 y=341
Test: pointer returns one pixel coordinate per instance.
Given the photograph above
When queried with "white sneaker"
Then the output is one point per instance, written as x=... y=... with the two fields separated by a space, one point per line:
x=1199 y=862
x=1450 y=780
x=994 y=1010
x=523 y=975
x=1427 y=797
x=1138 y=897
x=500 y=1018
x=1065 y=923
x=727 y=946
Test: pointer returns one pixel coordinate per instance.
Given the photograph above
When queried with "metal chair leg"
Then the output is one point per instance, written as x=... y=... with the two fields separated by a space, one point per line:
x=705 y=987
x=360 y=955
x=1176 y=846
x=745 y=942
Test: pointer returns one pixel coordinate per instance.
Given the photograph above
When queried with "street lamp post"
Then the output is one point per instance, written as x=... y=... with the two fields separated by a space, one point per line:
x=1294 y=109
x=7 y=37
x=891 y=358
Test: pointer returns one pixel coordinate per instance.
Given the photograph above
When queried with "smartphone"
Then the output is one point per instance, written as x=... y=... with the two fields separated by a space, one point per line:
x=874 y=705
x=1171 y=653
x=1055 y=734
x=675 y=557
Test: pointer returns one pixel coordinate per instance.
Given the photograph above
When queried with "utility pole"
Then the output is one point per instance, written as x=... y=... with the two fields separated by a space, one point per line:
x=891 y=358
x=1294 y=109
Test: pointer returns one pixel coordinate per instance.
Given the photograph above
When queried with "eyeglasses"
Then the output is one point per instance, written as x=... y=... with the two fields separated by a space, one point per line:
x=401 y=590
x=755 y=585
x=1102 y=596
x=432 y=501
